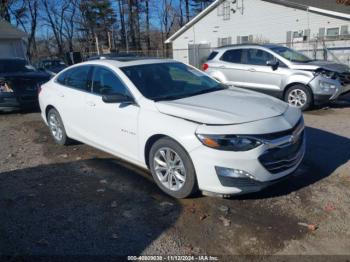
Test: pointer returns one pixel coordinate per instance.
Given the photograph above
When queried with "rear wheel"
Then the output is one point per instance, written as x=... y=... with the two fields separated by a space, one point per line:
x=57 y=129
x=172 y=168
x=299 y=96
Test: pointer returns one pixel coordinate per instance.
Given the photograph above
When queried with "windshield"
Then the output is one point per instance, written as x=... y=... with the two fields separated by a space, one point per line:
x=15 y=66
x=291 y=55
x=170 y=81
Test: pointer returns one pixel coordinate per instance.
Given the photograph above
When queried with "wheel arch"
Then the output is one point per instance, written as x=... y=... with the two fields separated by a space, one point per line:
x=47 y=109
x=295 y=84
x=153 y=139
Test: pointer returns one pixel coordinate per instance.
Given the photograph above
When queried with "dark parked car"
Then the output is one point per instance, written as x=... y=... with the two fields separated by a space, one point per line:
x=51 y=66
x=19 y=84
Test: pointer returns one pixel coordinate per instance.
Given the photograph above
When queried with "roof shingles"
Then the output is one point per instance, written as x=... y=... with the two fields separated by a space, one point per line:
x=7 y=31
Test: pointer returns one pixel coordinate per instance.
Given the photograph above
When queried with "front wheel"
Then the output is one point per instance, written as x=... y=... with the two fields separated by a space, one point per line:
x=172 y=168
x=299 y=96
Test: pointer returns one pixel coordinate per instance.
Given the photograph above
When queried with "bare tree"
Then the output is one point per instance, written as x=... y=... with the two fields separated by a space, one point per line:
x=55 y=19
x=187 y=3
x=70 y=23
x=148 y=39
x=167 y=16
x=4 y=10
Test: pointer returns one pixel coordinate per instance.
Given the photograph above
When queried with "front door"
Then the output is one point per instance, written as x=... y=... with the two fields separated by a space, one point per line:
x=112 y=126
x=258 y=74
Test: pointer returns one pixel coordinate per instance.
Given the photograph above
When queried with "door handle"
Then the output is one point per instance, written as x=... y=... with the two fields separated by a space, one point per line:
x=252 y=69
x=90 y=103
x=223 y=67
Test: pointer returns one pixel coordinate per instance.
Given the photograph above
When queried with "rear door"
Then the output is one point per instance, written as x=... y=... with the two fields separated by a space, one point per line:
x=73 y=86
x=231 y=66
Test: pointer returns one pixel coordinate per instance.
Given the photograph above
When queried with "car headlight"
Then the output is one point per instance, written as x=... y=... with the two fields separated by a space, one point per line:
x=326 y=88
x=230 y=142
x=5 y=88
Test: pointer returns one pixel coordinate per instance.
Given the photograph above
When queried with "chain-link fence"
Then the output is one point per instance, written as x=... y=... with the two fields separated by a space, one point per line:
x=197 y=55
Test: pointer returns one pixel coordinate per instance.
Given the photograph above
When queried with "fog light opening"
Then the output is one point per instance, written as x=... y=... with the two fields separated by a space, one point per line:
x=233 y=173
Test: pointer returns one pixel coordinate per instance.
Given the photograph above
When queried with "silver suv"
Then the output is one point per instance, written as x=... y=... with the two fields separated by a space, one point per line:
x=279 y=71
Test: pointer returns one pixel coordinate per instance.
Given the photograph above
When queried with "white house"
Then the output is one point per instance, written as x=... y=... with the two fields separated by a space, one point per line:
x=12 y=41
x=312 y=26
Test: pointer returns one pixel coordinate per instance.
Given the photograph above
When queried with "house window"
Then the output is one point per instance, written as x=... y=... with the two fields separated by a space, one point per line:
x=298 y=34
x=333 y=32
x=227 y=10
x=322 y=32
x=344 y=30
x=224 y=41
x=244 y=39
x=221 y=10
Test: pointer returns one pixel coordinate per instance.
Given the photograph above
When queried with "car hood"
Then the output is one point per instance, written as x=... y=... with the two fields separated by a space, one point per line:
x=225 y=107
x=314 y=65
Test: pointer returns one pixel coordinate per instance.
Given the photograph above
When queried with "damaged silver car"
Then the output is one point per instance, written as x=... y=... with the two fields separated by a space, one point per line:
x=281 y=72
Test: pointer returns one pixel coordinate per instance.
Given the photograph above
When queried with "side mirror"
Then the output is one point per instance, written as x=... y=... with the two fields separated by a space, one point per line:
x=117 y=99
x=273 y=63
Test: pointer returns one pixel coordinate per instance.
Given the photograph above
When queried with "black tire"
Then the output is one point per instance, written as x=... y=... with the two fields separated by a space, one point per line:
x=308 y=94
x=64 y=140
x=190 y=185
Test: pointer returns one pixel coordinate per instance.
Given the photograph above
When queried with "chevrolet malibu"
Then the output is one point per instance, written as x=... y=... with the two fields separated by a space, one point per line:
x=189 y=130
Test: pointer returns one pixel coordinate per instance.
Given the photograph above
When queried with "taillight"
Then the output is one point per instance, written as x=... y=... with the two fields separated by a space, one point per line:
x=205 y=67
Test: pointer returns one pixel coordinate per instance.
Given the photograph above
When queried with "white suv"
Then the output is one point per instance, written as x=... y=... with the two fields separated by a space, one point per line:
x=191 y=131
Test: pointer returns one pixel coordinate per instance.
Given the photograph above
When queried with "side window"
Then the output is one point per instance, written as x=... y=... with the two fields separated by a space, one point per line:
x=258 y=57
x=212 y=55
x=61 y=79
x=232 y=56
x=78 y=78
x=105 y=82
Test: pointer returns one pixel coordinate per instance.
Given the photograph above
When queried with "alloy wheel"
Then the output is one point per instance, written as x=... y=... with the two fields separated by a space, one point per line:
x=297 y=98
x=55 y=127
x=169 y=168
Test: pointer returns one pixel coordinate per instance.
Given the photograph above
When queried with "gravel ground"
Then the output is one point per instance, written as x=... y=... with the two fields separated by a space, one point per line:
x=76 y=200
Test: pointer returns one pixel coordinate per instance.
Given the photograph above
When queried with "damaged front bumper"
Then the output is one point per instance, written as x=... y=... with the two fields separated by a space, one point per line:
x=326 y=89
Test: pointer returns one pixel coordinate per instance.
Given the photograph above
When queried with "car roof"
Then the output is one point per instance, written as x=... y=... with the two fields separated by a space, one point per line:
x=127 y=61
x=252 y=45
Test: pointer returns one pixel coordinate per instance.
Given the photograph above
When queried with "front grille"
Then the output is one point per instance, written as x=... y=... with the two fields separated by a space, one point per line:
x=277 y=135
x=280 y=159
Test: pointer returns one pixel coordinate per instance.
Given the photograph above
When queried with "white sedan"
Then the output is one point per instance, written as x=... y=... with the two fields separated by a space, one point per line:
x=191 y=131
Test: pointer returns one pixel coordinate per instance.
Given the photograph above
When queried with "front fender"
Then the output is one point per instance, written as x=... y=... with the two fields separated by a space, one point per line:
x=301 y=78
x=155 y=123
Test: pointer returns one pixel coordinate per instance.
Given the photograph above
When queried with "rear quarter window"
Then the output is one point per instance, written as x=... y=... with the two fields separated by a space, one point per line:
x=61 y=79
x=212 y=55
